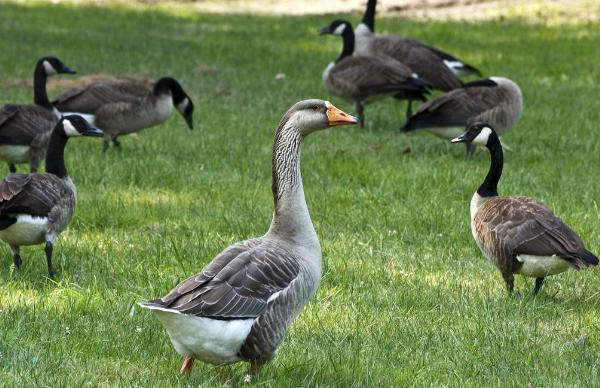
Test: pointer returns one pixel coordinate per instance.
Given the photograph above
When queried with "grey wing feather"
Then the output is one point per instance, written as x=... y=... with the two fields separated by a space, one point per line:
x=34 y=194
x=528 y=227
x=236 y=284
x=91 y=97
x=21 y=124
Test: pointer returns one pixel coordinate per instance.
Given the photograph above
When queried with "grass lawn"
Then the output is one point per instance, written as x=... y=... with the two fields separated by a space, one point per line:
x=406 y=297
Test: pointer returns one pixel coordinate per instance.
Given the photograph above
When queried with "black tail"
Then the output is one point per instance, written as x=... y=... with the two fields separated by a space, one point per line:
x=589 y=258
x=582 y=259
x=470 y=69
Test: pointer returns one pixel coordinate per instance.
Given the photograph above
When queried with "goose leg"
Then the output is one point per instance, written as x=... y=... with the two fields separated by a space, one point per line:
x=116 y=143
x=255 y=367
x=538 y=285
x=186 y=368
x=12 y=168
x=48 y=251
x=16 y=256
x=470 y=149
x=409 y=109
x=510 y=282
x=360 y=111
x=105 y=145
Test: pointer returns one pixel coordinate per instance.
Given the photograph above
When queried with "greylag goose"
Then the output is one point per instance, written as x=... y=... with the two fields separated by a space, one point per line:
x=25 y=129
x=438 y=68
x=519 y=234
x=126 y=105
x=36 y=208
x=239 y=307
x=362 y=79
x=496 y=100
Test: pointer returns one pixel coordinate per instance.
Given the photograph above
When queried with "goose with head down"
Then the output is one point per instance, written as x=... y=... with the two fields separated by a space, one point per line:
x=362 y=79
x=239 y=307
x=36 y=208
x=25 y=129
x=519 y=234
x=125 y=105
x=437 y=67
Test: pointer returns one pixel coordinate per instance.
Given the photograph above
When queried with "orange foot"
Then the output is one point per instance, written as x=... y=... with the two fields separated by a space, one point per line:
x=186 y=368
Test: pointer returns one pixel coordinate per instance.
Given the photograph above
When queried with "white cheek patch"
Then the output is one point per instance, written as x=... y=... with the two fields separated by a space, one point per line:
x=183 y=105
x=70 y=129
x=483 y=136
x=340 y=29
x=50 y=70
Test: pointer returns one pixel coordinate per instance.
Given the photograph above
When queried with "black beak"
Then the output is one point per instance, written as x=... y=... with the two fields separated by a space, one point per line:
x=93 y=131
x=190 y=121
x=460 y=139
x=68 y=70
x=325 y=30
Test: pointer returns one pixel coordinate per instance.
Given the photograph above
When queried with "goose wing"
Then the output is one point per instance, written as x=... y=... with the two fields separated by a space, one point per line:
x=423 y=61
x=364 y=76
x=525 y=226
x=33 y=194
x=90 y=98
x=20 y=124
x=237 y=284
x=457 y=107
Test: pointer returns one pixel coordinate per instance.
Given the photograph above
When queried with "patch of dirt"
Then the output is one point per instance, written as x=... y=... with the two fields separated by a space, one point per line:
x=66 y=82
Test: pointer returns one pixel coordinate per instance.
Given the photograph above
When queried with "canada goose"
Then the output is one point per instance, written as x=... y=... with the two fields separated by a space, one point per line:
x=438 y=68
x=36 y=208
x=126 y=105
x=25 y=129
x=239 y=307
x=518 y=234
x=495 y=100
x=361 y=79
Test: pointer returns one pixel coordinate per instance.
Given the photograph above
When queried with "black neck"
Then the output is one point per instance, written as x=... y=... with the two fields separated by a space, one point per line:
x=348 y=47
x=40 y=97
x=169 y=85
x=369 y=16
x=55 y=157
x=489 y=187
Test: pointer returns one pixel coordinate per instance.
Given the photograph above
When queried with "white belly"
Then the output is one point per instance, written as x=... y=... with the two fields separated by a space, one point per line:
x=446 y=133
x=27 y=230
x=209 y=340
x=14 y=153
x=541 y=266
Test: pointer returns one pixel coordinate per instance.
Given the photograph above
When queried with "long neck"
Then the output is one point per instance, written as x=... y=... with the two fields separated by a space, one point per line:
x=348 y=47
x=489 y=187
x=55 y=156
x=291 y=218
x=369 y=16
x=40 y=97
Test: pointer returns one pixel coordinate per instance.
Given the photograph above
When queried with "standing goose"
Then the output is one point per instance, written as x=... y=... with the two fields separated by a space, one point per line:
x=25 y=129
x=496 y=100
x=362 y=79
x=518 y=234
x=36 y=208
x=239 y=307
x=126 y=105
x=438 y=68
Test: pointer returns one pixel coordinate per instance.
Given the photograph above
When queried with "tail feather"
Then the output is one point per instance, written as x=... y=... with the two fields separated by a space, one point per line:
x=583 y=259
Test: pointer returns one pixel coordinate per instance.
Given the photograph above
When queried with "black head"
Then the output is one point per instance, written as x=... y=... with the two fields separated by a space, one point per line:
x=337 y=27
x=53 y=65
x=75 y=125
x=477 y=133
x=183 y=103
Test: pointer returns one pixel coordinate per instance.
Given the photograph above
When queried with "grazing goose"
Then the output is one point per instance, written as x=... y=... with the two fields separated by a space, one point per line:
x=361 y=79
x=25 y=129
x=496 y=100
x=518 y=234
x=126 y=105
x=438 y=68
x=36 y=208
x=239 y=307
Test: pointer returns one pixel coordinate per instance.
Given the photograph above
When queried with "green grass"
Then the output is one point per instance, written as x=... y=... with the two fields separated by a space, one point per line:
x=406 y=297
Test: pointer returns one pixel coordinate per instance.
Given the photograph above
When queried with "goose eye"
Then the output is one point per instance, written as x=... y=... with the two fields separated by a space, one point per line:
x=316 y=108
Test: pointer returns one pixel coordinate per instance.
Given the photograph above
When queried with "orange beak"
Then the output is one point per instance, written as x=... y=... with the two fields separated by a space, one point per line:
x=337 y=117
